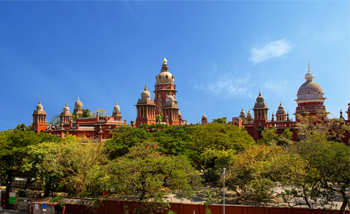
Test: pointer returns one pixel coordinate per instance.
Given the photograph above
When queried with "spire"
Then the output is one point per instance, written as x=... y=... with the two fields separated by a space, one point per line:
x=78 y=97
x=39 y=101
x=280 y=103
x=66 y=104
x=165 y=61
x=259 y=93
x=145 y=87
x=308 y=66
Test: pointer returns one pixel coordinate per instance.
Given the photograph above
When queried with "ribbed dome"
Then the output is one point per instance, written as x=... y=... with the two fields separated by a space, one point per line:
x=78 y=104
x=310 y=89
x=260 y=101
x=39 y=107
x=165 y=76
x=116 y=108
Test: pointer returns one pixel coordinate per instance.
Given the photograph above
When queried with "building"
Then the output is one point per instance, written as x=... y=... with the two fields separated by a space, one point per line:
x=310 y=100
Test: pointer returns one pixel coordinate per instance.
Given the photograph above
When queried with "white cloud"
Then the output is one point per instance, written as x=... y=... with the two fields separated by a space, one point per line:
x=228 y=86
x=274 y=49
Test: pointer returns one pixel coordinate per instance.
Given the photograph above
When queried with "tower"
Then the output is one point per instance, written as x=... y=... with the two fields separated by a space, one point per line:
x=78 y=107
x=204 y=119
x=309 y=98
x=145 y=109
x=164 y=85
x=260 y=116
x=280 y=114
x=66 y=116
x=39 y=119
x=348 y=112
x=117 y=113
x=242 y=114
x=170 y=111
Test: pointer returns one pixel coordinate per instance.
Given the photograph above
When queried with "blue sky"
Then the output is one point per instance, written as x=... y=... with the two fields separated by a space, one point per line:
x=220 y=53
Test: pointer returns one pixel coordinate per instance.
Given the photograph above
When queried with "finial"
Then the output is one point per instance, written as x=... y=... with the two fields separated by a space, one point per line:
x=78 y=97
x=164 y=60
x=66 y=104
x=308 y=66
x=259 y=93
x=116 y=103
x=145 y=87
x=242 y=108
x=280 y=103
x=39 y=101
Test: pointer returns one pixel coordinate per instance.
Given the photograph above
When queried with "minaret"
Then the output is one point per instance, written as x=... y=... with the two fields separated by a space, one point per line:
x=164 y=85
x=348 y=112
x=145 y=109
x=39 y=119
x=170 y=111
x=310 y=98
x=260 y=116
x=66 y=116
x=117 y=115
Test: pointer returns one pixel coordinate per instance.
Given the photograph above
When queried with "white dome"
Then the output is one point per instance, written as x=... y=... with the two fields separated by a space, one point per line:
x=116 y=108
x=66 y=108
x=165 y=77
x=39 y=107
x=145 y=94
x=78 y=104
x=310 y=89
x=204 y=116
x=169 y=99
x=249 y=114
x=280 y=109
x=242 y=114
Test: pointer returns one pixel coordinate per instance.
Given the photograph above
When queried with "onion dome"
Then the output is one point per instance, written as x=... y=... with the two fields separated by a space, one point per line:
x=204 y=116
x=249 y=115
x=39 y=107
x=116 y=108
x=310 y=89
x=169 y=99
x=78 y=104
x=145 y=94
x=242 y=115
x=165 y=76
x=66 y=108
x=280 y=109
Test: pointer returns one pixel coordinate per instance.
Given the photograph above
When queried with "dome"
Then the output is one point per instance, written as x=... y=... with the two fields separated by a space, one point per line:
x=66 y=108
x=260 y=101
x=242 y=114
x=204 y=116
x=249 y=114
x=169 y=99
x=165 y=77
x=116 y=108
x=78 y=104
x=145 y=94
x=180 y=115
x=280 y=109
x=39 y=107
x=310 y=89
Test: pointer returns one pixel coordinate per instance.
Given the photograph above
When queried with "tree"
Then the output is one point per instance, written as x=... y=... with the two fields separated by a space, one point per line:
x=23 y=127
x=86 y=113
x=81 y=168
x=14 y=147
x=270 y=137
x=252 y=171
x=55 y=120
x=125 y=137
x=220 y=120
x=159 y=117
x=101 y=112
x=154 y=175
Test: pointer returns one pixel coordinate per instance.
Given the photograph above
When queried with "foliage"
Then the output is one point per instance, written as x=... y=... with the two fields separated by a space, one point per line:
x=55 y=120
x=23 y=127
x=86 y=113
x=220 y=120
x=79 y=167
x=252 y=172
x=58 y=199
x=101 y=112
x=14 y=147
x=159 y=117
x=270 y=137
x=211 y=199
x=123 y=138
x=154 y=175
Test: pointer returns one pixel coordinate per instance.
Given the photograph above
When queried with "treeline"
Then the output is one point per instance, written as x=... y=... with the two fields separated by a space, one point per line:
x=154 y=160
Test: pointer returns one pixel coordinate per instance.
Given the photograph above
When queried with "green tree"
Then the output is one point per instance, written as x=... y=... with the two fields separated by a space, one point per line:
x=270 y=137
x=14 y=147
x=23 y=127
x=86 y=113
x=153 y=174
x=220 y=120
